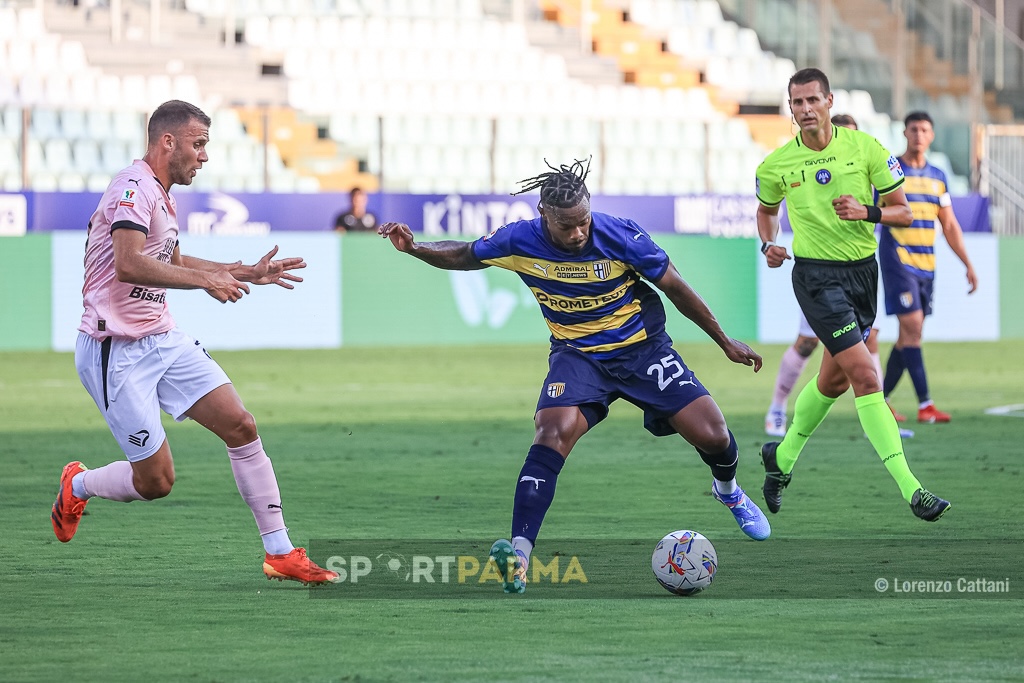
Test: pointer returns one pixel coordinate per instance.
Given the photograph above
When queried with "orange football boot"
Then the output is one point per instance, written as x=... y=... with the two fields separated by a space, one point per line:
x=295 y=566
x=899 y=417
x=67 y=509
x=932 y=415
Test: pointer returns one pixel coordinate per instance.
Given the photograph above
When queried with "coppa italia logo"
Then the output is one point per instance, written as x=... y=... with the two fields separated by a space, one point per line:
x=128 y=198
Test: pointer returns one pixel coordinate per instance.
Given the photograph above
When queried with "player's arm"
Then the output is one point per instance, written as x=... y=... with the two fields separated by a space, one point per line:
x=768 y=229
x=135 y=267
x=446 y=254
x=690 y=304
x=893 y=207
x=954 y=235
x=266 y=271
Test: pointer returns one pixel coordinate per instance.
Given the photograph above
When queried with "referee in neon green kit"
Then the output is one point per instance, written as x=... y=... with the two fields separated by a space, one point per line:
x=826 y=174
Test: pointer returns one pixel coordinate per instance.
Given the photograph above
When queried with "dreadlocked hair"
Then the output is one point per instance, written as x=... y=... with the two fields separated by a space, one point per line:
x=562 y=187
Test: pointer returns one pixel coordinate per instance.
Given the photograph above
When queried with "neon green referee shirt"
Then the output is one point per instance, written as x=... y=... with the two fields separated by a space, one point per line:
x=851 y=164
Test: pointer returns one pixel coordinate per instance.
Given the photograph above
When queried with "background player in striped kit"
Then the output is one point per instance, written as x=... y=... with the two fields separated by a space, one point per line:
x=906 y=258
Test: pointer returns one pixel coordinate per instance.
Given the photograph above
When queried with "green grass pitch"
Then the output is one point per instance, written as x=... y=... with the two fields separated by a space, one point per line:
x=426 y=444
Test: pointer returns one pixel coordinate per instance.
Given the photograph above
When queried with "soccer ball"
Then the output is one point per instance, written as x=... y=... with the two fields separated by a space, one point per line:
x=684 y=562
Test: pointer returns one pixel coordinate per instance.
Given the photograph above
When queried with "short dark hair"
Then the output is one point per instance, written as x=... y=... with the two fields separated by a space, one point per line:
x=172 y=116
x=809 y=75
x=355 y=190
x=918 y=116
x=562 y=187
x=845 y=120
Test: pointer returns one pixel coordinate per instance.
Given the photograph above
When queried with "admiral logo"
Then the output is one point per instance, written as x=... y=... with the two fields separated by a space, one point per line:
x=602 y=269
x=144 y=294
x=572 y=272
x=556 y=389
x=818 y=162
x=139 y=438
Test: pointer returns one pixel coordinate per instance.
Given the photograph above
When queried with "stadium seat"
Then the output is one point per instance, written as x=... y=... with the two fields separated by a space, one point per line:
x=10 y=117
x=8 y=24
x=19 y=56
x=97 y=182
x=128 y=127
x=72 y=58
x=115 y=155
x=30 y=23
x=10 y=160
x=70 y=182
x=45 y=123
x=43 y=181
x=83 y=90
x=12 y=182
x=73 y=123
x=86 y=155
x=97 y=124
x=57 y=153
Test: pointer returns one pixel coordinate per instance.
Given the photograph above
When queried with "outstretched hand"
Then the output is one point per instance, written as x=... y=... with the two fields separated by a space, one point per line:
x=224 y=287
x=399 y=234
x=270 y=272
x=738 y=352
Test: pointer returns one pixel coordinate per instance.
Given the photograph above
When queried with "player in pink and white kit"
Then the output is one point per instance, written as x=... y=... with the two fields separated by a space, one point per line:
x=134 y=361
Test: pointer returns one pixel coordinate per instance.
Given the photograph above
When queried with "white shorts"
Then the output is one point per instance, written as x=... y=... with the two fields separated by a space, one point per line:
x=805 y=327
x=130 y=381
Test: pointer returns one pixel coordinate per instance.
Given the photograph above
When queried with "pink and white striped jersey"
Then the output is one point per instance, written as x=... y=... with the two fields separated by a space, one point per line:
x=134 y=200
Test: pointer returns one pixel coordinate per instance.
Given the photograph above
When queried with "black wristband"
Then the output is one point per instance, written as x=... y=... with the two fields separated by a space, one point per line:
x=874 y=214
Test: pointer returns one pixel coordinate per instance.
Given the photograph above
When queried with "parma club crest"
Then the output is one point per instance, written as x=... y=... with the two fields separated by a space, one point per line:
x=556 y=389
x=602 y=269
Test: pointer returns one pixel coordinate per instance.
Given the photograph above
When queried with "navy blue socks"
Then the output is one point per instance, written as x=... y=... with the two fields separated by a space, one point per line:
x=535 y=490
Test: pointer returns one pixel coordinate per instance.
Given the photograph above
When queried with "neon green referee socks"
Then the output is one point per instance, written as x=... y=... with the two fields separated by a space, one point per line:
x=884 y=434
x=810 y=409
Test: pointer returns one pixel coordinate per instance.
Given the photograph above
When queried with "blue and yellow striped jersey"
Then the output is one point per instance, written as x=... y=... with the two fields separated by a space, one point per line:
x=593 y=301
x=913 y=248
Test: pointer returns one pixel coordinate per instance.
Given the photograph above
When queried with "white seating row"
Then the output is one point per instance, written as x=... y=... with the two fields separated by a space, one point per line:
x=279 y=32
x=330 y=8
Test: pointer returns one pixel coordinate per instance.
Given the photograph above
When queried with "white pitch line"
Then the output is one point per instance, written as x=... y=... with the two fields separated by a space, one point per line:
x=1015 y=410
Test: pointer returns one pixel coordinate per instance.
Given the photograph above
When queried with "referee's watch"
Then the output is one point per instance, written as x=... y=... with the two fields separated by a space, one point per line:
x=765 y=246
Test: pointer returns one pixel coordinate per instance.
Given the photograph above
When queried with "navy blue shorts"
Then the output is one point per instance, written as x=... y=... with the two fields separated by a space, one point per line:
x=906 y=292
x=652 y=377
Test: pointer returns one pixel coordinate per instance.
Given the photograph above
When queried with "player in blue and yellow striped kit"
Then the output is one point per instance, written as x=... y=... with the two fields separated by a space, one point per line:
x=907 y=260
x=587 y=271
